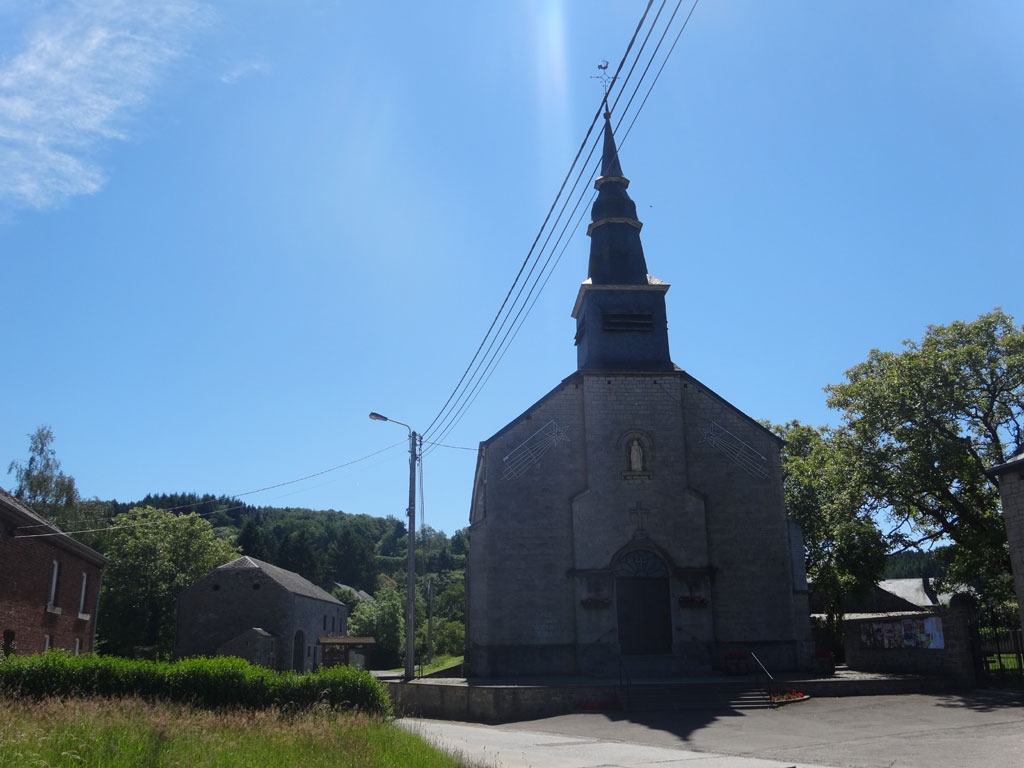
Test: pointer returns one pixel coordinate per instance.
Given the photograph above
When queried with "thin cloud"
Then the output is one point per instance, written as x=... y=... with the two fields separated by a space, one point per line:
x=83 y=69
x=243 y=70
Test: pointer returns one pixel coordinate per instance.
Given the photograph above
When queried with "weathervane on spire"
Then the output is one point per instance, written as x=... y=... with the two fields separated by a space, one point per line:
x=606 y=83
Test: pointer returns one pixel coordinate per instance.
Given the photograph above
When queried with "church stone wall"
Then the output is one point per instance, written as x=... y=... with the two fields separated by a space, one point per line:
x=706 y=499
x=648 y=508
x=520 y=605
x=736 y=466
x=1011 y=490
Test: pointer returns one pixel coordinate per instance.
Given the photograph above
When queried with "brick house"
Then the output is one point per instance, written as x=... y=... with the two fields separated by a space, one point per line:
x=259 y=612
x=50 y=588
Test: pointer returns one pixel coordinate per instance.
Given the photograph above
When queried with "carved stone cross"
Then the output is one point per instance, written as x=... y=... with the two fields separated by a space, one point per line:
x=640 y=514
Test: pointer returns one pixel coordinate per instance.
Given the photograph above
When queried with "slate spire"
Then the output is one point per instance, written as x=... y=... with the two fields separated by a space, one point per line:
x=616 y=254
x=610 y=157
x=620 y=310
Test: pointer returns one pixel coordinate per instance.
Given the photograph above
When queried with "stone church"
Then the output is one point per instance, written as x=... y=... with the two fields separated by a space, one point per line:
x=631 y=516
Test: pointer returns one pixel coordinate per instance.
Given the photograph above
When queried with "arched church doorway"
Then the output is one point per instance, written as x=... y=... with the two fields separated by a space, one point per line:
x=642 y=598
x=298 y=651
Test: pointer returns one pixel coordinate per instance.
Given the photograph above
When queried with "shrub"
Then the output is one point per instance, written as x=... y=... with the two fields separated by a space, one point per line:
x=210 y=683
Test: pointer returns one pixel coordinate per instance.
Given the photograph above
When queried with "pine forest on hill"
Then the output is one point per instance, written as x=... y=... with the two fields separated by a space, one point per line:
x=323 y=546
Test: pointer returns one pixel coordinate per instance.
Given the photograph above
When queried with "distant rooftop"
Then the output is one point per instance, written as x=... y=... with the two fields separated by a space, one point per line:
x=363 y=596
x=291 y=581
x=916 y=591
x=28 y=522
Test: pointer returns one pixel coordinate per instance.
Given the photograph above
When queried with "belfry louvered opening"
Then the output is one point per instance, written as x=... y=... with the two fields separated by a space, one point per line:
x=639 y=321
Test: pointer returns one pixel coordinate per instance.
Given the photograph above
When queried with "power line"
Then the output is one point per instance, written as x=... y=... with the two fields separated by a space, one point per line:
x=469 y=397
x=195 y=504
x=442 y=445
x=472 y=390
x=450 y=416
x=423 y=504
x=661 y=68
x=459 y=386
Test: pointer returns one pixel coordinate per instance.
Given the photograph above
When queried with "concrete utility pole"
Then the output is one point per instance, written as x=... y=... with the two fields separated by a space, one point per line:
x=410 y=588
x=430 y=619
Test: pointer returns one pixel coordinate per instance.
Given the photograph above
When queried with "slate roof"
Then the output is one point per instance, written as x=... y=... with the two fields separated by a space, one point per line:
x=888 y=596
x=291 y=581
x=26 y=522
x=915 y=591
x=1014 y=462
x=363 y=596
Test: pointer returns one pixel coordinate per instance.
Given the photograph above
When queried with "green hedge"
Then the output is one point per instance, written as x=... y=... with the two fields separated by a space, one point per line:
x=210 y=683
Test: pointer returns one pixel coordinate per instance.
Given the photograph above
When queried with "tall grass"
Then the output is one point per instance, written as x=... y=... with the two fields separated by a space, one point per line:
x=222 y=682
x=132 y=733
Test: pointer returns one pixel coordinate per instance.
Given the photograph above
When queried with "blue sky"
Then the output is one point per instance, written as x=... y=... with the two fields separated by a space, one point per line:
x=230 y=230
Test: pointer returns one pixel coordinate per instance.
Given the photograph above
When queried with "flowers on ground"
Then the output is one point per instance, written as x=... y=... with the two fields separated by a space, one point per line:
x=781 y=697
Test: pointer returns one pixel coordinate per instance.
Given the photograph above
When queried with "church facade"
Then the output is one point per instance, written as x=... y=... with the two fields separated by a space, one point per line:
x=631 y=516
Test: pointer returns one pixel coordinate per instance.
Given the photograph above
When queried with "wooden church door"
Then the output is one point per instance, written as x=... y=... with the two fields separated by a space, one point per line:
x=642 y=599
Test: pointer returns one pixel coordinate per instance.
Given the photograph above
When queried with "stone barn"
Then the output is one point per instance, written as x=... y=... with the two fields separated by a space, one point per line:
x=260 y=612
x=632 y=515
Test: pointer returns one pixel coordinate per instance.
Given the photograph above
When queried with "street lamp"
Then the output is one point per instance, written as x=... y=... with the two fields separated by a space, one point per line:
x=410 y=588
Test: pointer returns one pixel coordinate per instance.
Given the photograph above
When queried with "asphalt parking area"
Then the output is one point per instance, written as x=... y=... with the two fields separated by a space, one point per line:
x=911 y=731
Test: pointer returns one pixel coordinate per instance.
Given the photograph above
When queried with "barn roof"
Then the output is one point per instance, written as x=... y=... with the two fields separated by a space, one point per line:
x=289 y=580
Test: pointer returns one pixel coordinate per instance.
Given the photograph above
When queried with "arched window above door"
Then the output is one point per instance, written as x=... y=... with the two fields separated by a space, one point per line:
x=641 y=563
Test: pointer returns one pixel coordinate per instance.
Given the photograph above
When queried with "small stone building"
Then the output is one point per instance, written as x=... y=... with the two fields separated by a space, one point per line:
x=259 y=612
x=632 y=515
x=50 y=585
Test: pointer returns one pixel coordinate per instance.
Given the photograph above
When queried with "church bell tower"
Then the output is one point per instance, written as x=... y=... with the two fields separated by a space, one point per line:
x=621 y=323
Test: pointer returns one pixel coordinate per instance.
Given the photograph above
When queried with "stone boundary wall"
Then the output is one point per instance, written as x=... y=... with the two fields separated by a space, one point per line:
x=497 y=703
x=954 y=661
x=454 y=699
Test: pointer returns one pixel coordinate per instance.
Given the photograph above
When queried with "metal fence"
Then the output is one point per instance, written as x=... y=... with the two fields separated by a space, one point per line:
x=1002 y=655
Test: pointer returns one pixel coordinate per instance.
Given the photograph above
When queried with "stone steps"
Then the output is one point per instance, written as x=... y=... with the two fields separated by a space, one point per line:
x=664 y=697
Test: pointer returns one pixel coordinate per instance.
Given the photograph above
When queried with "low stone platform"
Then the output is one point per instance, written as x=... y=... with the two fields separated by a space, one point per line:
x=517 y=699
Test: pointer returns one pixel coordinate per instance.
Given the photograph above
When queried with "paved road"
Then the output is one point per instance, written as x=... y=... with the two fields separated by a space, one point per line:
x=917 y=731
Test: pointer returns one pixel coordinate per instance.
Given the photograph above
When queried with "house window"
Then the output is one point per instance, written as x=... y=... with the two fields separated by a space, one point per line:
x=78 y=645
x=52 y=600
x=81 y=600
x=46 y=643
x=325 y=622
x=309 y=651
x=332 y=624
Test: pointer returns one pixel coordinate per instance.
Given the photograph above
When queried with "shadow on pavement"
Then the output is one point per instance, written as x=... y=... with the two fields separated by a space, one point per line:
x=982 y=701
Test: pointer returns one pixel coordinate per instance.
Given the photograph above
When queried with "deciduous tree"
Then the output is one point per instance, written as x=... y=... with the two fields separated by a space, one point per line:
x=384 y=620
x=845 y=550
x=42 y=484
x=153 y=555
x=922 y=425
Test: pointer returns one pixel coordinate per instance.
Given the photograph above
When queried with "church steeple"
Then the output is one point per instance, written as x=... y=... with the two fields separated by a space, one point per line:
x=620 y=310
x=616 y=254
